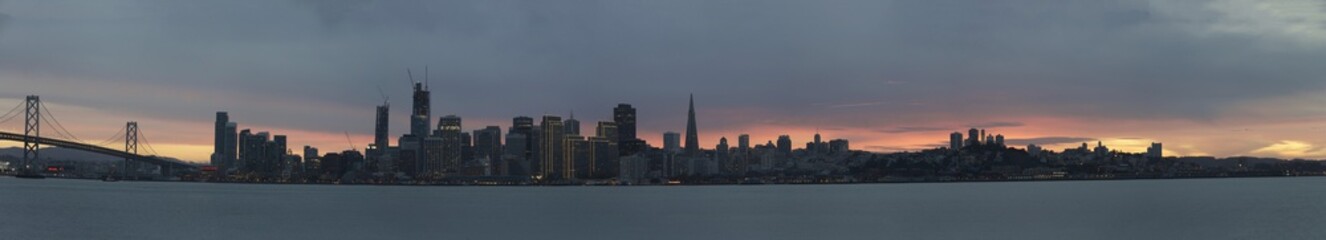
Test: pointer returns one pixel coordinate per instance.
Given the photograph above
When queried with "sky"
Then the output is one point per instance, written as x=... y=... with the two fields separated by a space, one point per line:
x=1218 y=78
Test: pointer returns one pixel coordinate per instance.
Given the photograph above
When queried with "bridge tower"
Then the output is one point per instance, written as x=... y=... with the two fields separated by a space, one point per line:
x=31 y=131
x=130 y=144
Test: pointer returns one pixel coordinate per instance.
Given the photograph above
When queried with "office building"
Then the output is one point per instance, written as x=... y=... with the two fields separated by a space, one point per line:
x=551 y=141
x=571 y=125
x=672 y=142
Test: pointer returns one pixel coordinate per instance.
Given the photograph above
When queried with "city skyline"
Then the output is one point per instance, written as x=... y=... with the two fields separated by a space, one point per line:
x=1135 y=94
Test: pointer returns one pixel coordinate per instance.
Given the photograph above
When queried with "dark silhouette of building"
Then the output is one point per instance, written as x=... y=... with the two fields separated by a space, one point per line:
x=785 y=145
x=692 y=137
x=380 y=131
x=448 y=129
x=225 y=147
x=551 y=141
x=571 y=125
x=421 y=114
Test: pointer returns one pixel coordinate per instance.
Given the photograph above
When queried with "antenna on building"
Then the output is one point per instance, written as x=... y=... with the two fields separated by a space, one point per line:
x=425 y=77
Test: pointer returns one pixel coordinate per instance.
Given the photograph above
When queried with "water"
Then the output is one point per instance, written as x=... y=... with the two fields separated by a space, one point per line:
x=1263 y=208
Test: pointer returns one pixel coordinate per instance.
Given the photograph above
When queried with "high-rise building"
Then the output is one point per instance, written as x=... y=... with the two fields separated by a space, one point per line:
x=627 y=142
x=517 y=146
x=624 y=115
x=488 y=143
x=607 y=130
x=523 y=126
x=603 y=157
x=225 y=146
x=973 y=137
x=743 y=144
x=955 y=141
x=571 y=125
x=421 y=114
x=551 y=139
x=785 y=145
x=311 y=158
x=672 y=142
x=692 y=136
x=999 y=140
x=721 y=152
x=448 y=129
x=575 y=157
x=277 y=155
x=380 y=131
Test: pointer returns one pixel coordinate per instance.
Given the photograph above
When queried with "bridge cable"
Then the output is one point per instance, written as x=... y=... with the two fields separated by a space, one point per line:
x=58 y=134
x=119 y=136
x=143 y=138
x=6 y=116
x=47 y=111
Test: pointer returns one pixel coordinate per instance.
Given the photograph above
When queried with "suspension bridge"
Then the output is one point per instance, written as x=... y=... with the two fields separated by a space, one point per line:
x=36 y=114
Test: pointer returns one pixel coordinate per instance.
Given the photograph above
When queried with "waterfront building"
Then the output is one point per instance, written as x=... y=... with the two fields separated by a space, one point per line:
x=452 y=144
x=551 y=140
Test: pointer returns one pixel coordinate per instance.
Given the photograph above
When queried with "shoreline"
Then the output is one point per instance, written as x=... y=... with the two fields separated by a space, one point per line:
x=709 y=184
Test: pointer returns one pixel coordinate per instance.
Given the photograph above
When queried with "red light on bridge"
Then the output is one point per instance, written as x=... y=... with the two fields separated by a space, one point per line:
x=54 y=169
x=209 y=168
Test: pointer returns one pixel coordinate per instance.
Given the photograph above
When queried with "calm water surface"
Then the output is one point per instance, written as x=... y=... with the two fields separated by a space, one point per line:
x=1263 y=208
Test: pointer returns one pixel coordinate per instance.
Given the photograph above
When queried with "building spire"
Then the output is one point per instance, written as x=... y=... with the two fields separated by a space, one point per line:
x=692 y=137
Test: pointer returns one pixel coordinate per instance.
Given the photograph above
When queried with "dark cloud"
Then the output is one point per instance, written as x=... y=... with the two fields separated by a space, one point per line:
x=995 y=124
x=1047 y=141
x=772 y=60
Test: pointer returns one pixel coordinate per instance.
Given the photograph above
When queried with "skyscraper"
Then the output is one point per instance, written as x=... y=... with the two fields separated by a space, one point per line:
x=225 y=146
x=973 y=137
x=607 y=130
x=672 y=142
x=380 y=131
x=421 y=114
x=311 y=159
x=488 y=143
x=955 y=141
x=743 y=144
x=627 y=142
x=572 y=125
x=524 y=126
x=624 y=115
x=551 y=139
x=692 y=137
x=785 y=145
x=723 y=155
x=575 y=157
x=448 y=129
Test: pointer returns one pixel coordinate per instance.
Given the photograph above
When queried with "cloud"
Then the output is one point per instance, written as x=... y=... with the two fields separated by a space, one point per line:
x=913 y=129
x=1290 y=148
x=1043 y=141
x=315 y=65
x=995 y=124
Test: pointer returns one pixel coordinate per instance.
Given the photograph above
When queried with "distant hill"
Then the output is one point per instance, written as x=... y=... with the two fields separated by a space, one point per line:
x=57 y=153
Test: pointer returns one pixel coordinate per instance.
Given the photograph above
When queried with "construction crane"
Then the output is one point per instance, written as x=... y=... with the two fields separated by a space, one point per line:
x=351 y=142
